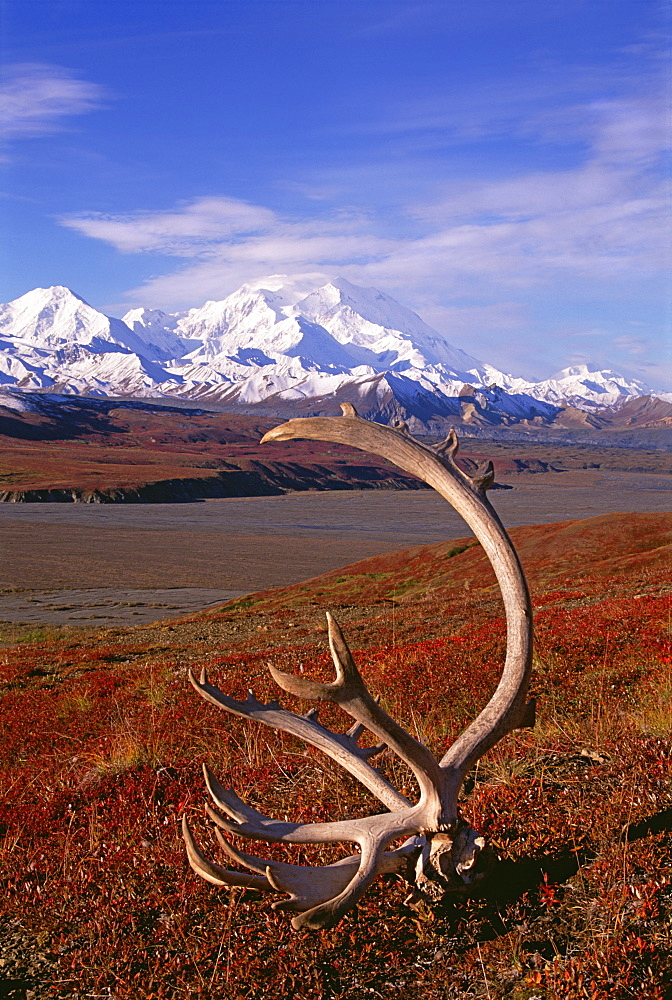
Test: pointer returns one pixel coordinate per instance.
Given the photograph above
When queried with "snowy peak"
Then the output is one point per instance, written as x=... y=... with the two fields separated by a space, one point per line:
x=601 y=378
x=282 y=343
x=369 y=319
x=249 y=319
x=146 y=320
x=581 y=384
x=53 y=319
x=371 y=305
x=337 y=325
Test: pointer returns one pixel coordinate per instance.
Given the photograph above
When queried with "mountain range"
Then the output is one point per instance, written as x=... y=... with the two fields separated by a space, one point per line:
x=269 y=347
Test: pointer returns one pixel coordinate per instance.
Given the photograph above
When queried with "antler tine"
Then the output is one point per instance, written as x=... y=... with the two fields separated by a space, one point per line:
x=356 y=730
x=319 y=894
x=449 y=446
x=308 y=886
x=213 y=873
x=351 y=694
x=340 y=747
x=249 y=822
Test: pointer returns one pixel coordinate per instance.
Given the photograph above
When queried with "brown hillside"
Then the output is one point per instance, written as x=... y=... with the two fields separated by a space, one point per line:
x=615 y=553
x=116 y=453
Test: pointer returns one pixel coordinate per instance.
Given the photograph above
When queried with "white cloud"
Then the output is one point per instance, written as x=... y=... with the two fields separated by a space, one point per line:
x=577 y=226
x=632 y=131
x=605 y=215
x=189 y=230
x=35 y=98
x=291 y=247
x=590 y=223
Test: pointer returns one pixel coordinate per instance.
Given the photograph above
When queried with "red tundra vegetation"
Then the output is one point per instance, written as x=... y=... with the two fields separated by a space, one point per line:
x=103 y=741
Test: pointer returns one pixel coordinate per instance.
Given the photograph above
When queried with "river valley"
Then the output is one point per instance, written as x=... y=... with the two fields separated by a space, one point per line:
x=101 y=565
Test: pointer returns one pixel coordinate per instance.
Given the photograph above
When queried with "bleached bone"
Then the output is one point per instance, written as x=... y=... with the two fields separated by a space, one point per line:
x=441 y=853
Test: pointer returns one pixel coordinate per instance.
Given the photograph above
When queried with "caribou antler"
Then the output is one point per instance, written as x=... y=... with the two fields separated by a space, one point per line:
x=442 y=853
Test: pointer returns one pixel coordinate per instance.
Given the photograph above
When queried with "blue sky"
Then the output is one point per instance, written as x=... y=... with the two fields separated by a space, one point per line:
x=500 y=167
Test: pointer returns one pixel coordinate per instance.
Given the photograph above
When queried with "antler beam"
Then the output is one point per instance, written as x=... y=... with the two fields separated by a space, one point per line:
x=442 y=853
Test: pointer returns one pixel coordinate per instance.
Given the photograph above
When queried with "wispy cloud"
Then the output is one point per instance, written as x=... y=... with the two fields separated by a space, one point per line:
x=189 y=230
x=589 y=224
x=632 y=345
x=36 y=99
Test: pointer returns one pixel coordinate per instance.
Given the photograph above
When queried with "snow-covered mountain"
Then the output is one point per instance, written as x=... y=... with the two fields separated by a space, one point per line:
x=269 y=345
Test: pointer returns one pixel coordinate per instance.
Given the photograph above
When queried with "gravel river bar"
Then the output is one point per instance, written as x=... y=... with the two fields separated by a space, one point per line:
x=105 y=564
